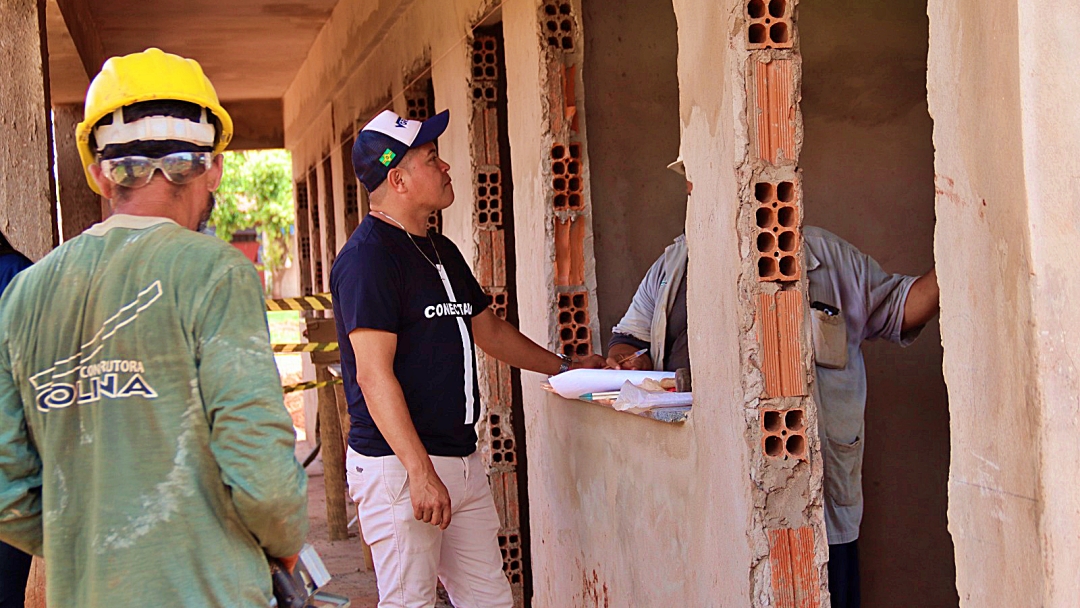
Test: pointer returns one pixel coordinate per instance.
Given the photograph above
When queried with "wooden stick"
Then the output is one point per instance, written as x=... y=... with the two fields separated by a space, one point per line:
x=333 y=457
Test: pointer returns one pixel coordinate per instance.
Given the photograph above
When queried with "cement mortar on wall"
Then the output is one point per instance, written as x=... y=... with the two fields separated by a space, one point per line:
x=786 y=495
x=27 y=210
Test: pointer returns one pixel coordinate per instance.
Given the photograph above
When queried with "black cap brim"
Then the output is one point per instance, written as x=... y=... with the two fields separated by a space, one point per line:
x=432 y=128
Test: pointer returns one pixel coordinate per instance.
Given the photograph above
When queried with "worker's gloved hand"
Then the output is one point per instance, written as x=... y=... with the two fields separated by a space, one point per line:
x=589 y=362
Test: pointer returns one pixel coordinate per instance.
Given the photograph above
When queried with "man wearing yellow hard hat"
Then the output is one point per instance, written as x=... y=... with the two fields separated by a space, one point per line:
x=145 y=450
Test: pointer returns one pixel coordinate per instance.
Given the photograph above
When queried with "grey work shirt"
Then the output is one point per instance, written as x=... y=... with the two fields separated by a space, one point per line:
x=871 y=302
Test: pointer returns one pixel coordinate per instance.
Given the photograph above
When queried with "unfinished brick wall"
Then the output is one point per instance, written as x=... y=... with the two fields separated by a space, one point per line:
x=326 y=210
x=303 y=235
x=315 y=232
x=565 y=173
x=352 y=187
x=492 y=232
x=782 y=418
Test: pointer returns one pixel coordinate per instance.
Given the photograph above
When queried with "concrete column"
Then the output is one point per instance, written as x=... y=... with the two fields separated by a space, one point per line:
x=1001 y=92
x=80 y=207
x=27 y=211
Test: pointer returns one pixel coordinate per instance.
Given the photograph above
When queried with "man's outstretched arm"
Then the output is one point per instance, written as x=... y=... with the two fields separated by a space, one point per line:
x=922 y=301
x=386 y=404
x=504 y=342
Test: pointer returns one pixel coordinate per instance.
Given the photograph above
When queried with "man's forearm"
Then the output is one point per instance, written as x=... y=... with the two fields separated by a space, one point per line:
x=504 y=342
x=922 y=301
x=386 y=404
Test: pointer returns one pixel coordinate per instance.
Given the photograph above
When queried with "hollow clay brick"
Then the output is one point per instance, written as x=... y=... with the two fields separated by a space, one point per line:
x=487 y=191
x=577 y=251
x=491 y=135
x=418 y=104
x=794 y=578
x=501 y=453
x=575 y=337
x=805 y=575
x=503 y=397
x=779 y=333
x=557 y=24
x=566 y=183
x=510 y=546
x=504 y=490
x=783 y=580
x=776 y=236
x=556 y=77
x=774 y=110
x=768 y=24
x=434 y=222
x=562 y=252
x=498 y=258
x=485 y=59
x=570 y=97
x=484 y=258
x=569 y=251
x=783 y=434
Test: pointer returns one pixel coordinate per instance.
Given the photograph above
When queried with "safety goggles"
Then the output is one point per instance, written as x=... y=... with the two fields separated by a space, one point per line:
x=137 y=171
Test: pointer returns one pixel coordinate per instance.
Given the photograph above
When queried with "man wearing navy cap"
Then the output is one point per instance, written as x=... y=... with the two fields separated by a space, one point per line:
x=408 y=313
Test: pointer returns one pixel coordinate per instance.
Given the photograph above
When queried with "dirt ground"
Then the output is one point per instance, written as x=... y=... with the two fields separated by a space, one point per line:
x=344 y=559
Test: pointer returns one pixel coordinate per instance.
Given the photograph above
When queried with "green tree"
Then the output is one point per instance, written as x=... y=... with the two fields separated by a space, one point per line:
x=256 y=192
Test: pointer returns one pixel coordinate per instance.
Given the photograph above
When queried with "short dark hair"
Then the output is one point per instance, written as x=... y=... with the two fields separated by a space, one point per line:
x=155 y=149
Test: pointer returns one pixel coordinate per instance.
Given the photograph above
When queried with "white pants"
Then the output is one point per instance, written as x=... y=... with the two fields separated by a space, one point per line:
x=409 y=554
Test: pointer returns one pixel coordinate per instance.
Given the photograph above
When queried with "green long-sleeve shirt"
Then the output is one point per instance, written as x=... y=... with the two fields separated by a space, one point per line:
x=144 y=447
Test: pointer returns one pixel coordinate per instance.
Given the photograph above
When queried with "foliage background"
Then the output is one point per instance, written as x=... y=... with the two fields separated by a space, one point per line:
x=256 y=192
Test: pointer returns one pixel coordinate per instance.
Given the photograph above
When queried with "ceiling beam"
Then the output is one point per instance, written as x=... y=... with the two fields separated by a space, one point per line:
x=257 y=123
x=84 y=33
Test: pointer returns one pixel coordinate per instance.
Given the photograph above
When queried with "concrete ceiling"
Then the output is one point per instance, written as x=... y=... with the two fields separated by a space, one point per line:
x=250 y=49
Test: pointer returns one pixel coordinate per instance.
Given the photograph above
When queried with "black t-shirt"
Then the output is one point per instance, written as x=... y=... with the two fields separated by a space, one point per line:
x=380 y=280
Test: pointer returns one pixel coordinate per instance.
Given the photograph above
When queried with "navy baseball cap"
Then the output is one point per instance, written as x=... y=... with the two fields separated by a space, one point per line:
x=382 y=143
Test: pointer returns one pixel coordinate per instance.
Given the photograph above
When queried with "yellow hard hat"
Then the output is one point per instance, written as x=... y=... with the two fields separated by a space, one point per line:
x=151 y=74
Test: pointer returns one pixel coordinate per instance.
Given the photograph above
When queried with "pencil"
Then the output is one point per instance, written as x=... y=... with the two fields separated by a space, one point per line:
x=633 y=356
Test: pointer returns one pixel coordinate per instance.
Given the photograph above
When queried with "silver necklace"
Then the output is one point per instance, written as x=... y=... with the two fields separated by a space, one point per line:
x=409 y=234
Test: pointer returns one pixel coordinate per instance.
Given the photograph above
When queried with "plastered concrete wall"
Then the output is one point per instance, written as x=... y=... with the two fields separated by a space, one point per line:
x=1001 y=93
x=357 y=67
x=868 y=163
x=27 y=210
x=626 y=511
x=632 y=97
x=80 y=207
x=1051 y=124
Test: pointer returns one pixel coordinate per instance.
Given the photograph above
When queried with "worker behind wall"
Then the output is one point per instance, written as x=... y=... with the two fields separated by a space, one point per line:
x=852 y=300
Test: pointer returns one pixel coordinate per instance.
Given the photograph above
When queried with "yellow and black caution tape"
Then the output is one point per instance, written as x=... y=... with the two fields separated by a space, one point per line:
x=303 y=386
x=310 y=347
x=319 y=301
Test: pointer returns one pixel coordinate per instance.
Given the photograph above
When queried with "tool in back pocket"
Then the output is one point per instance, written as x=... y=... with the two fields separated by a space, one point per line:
x=830 y=336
